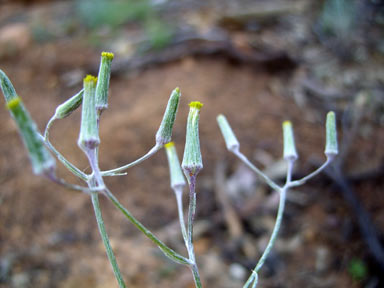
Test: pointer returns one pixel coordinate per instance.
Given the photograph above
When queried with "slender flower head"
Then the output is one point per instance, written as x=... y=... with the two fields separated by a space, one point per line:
x=42 y=161
x=229 y=137
x=66 y=108
x=103 y=81
x=289 y=142
x=89 y=132
x=192 y=162
x=177 y=178
x=331 y=146
x=164 y=133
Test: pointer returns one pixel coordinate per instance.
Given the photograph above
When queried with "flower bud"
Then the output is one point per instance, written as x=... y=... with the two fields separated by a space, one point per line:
x=289 y=142
x=42 y=161
x=229 y=137
x=7 y=87
x=89 y=132
x=164 y=134
x=331 y=147
x=177 y=178
x=192 y=162
x=66 y=108
x=103 y=81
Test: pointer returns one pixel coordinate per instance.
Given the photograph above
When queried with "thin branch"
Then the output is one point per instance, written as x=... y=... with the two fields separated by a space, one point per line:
x=70 y=186
x=272 y=239
x=104 y=236
x=309 y=176
x=178 y=194
x=191 y=218
x=164 y=248
x=72 y=168
x=243 y=158
x=150 y=153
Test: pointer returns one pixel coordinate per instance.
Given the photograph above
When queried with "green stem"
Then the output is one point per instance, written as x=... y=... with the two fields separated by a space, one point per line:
x=96 y=181
x=191 y=218
x=272 y=239
x=104 y=236
x=67 y=185
x=313 y=174
x=243 y=158
x=150 y=153
x=179 y=201
x=72 y=168
x=196 y=276
x=275 y=230
x=164 y=248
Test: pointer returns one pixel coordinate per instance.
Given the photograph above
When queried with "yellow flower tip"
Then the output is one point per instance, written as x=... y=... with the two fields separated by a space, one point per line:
x=196 y=104
x=287 y=123
x=169 y=144
x=108 y=55
x=177 y=89
x=13 y=103
x=90 y=79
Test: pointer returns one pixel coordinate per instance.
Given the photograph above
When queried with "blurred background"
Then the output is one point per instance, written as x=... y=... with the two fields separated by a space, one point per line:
x=259 y=63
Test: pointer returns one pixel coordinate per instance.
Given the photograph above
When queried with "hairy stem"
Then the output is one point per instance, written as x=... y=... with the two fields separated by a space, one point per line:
x=191 y=218
x=313 y=174
x=243 y=158
x=164 y=248
x=275 y=231
x=96 y=181
x=260 y=263
x=150 y=153
x=178 y=194
x=104 y=237
x=72 y=168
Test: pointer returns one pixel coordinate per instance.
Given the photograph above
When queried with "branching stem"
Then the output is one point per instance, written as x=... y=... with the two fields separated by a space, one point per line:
x=72 y=168
x=164 y=248
x=150 y=153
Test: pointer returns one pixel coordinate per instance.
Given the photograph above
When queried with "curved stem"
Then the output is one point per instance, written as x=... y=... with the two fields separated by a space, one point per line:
x=272 y=239
x=309 y=176
x=275 y=231
x=67 y=185
x=150 y=153
x=164 y=248
x=72 y=168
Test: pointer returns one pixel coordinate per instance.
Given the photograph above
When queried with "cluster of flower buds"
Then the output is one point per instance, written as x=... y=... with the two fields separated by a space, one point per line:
x=290 y=154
